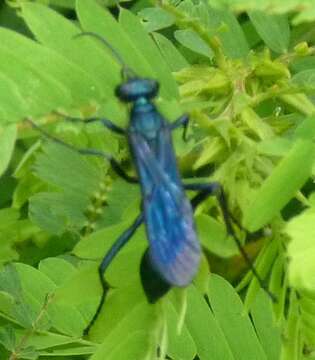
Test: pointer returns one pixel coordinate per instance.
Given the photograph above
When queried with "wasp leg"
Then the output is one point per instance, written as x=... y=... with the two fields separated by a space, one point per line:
x=90 y=152
x=215 y=189
x=107 y=123
x=182 y=121
x=110 y=255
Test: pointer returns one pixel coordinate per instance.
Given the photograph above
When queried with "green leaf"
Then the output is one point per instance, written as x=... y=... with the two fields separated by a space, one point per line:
x=155 y=19
x=34 y=306
x=216 y=22
x=47 y=340
x=96 y=244
x=96 y=19
x=307 y=306
x=305 y=78
x=304 y=63
x=263 y=264
x=281 y=186
x=204 y=329
x=146 y=46
x=52 y=213
x=305 y=13
x=172 y=56
x=58 y=270
x=13 y=105
x=31 y=288
x=236 y=326
x=68 y=4
x=201 y=279
x=27 y=187
x=80 y=285
x=119 y=303
x=10 y=233
x=193 y=42
x=293 y=344
x=130 y=339
x=181 y=345
x=120 y=197
x=80 y=176
x=232 y=36
x=125 y=268
x=213 y=236
x=225 y=326
x=97 y=69
x=7 y=141
x=28 y=353
x=269 y=334
x=278 y=285
x=273 y=29
x=305 y=129
x=40 y=89
x=6 y=303
x=301 y=250
x=138 y=50
x=7 y=338
x=275 y=146
x=57 y=211
x=73 y=350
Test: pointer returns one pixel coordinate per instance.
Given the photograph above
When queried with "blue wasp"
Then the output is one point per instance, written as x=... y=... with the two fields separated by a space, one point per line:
x=173 y=256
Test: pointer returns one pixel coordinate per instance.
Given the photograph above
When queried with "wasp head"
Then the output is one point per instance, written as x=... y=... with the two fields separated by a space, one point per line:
x=136 y=88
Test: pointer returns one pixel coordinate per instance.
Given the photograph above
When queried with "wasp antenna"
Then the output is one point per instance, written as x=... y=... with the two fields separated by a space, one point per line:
x=126 y=71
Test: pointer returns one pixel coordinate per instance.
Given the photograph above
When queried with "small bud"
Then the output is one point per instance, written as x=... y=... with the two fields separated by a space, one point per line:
x=302 y=49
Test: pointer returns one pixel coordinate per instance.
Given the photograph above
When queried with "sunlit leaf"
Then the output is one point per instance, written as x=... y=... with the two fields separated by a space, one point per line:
x=289 y=176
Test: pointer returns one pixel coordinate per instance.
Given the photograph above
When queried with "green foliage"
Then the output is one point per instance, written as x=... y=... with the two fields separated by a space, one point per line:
x=247 y=81
x=304 y=8
x=288 y=176
x=50 y=318
x=8 y=137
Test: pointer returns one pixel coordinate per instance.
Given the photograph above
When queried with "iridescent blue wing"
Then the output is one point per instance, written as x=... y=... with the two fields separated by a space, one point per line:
x=174 y=248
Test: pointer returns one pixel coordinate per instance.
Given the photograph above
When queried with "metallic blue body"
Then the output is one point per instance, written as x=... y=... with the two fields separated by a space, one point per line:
x=174 y=249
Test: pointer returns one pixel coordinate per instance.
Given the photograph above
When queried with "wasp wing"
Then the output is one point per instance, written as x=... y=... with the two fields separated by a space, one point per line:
x=174 y=248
